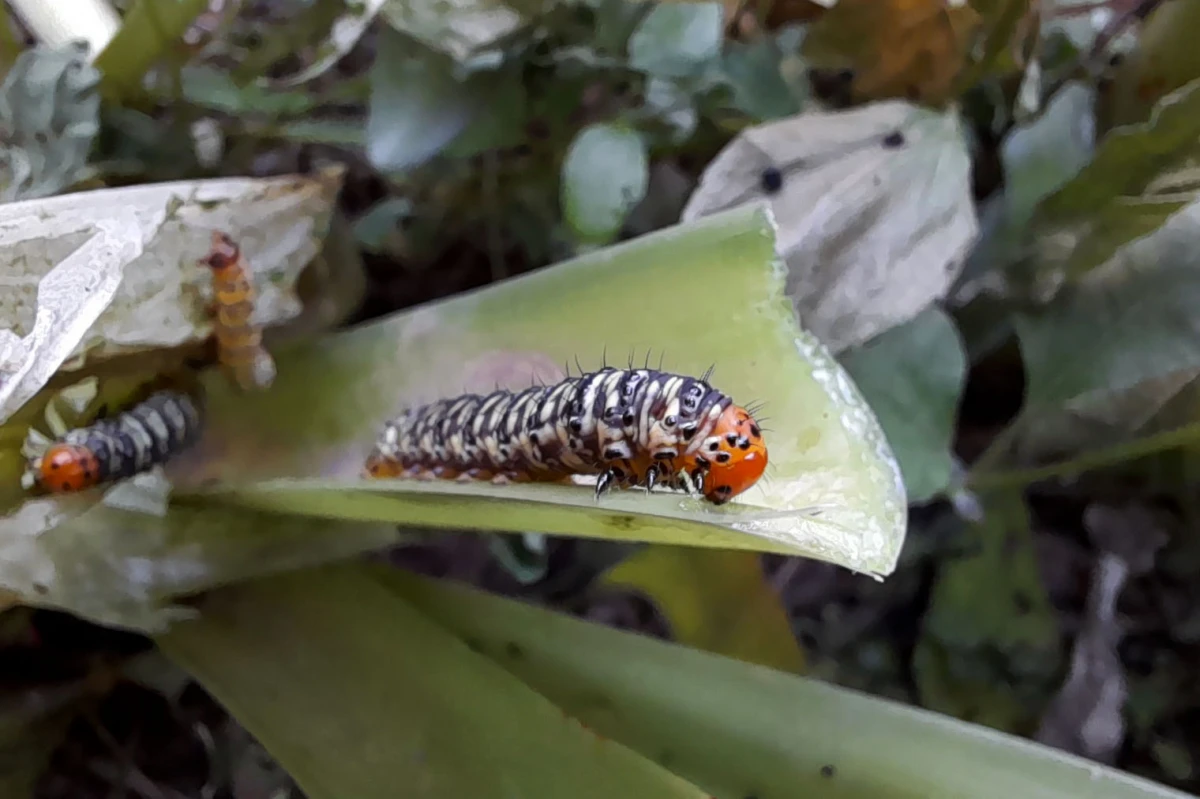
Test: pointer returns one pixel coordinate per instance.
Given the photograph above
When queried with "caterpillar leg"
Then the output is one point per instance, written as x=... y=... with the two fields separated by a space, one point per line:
x=608 y=480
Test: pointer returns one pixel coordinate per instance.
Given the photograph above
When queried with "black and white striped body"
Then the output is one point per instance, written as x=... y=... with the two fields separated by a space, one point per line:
x=629 y=426
x=148 y=434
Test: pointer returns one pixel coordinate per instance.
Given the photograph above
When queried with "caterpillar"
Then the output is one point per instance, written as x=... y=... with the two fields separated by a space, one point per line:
x=629 y=427
x=146 y=435
x=239 y=341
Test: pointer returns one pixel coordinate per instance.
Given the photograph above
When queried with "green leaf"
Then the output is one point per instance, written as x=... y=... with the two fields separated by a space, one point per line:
x=356 y=693
x=989 y=649
x=715 y=600
x=1140 y=176
x=381 y=222
x=1038 y=158
x=149 y=29
x=753 y=71
x=740 y=730
x=417 y=105
x=49 y=111
x=833 y=493
x=212 y=88
x=605 y=174
x=912 y=376
x=1164 y=58
x=1106 y=354
x=677 y=40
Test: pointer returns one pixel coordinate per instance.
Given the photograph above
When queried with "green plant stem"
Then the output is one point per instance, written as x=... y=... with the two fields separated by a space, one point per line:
x=1095 y=459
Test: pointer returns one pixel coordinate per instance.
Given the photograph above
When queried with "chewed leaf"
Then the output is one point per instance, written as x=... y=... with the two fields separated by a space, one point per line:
x=832 y=489
x=114 y=272
x=874 y=209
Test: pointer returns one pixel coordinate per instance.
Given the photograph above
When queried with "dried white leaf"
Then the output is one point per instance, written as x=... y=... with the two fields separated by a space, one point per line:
x=95 y=275
x=874 y=210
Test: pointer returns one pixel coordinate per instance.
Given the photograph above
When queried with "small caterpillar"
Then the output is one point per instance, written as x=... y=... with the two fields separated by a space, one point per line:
x=239 y=341
x=146 y=435
x=630 y=427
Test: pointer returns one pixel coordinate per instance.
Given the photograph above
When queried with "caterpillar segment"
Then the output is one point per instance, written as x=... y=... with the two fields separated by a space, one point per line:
x=134 y=441
x=239 y=341
x=627 y=427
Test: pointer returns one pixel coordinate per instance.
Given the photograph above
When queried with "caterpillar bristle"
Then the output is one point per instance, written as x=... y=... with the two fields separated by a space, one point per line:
x=625 y=427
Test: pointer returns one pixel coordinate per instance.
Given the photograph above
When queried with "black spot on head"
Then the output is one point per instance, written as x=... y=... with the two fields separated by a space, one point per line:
x=754 y=431
x=702 y=461
x=893 y=140
x=723 y=457
x=613 y=454
x=714 y=446
x=611 y=412
x=770 y=180
x=576 y=425
x=628 y=418
x=670 y=421
x=688 y=430
x=744 y=443
x=828 y=771
x=54 y=464
x=664 y=455
x=533 y=439
x=731 y=439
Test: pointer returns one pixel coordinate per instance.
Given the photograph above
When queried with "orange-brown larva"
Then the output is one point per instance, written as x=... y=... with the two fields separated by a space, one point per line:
x=629 y=427
x=239 y=341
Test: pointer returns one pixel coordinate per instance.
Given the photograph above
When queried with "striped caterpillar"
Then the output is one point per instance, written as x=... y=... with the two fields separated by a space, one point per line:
x=239 y=341
x=148 y=434
x=630 y=427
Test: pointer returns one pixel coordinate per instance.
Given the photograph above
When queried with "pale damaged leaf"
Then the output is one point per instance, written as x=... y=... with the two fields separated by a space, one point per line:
x=873 y=205
x=49 y=112
x=120 y=561
x=69 y=299
x=95 y=275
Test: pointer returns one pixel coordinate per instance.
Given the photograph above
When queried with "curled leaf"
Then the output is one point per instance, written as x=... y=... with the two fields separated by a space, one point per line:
x=832 y=490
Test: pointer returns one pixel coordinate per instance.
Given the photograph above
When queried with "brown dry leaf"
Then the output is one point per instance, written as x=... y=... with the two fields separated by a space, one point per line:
x=912 y=49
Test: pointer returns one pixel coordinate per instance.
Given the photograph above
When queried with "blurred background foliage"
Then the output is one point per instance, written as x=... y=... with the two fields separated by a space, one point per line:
x=987 y=210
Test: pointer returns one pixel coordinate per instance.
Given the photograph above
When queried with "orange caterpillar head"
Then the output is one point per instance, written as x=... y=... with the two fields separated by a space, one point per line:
x=739 y=459
x=224 y=252
x=68 y=467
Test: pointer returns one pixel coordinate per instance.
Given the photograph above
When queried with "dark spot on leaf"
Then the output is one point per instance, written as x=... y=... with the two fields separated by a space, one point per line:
x=771 y=180
x=1022 y=603
x=828 y=771
x=473 y=644
x=514 y=651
